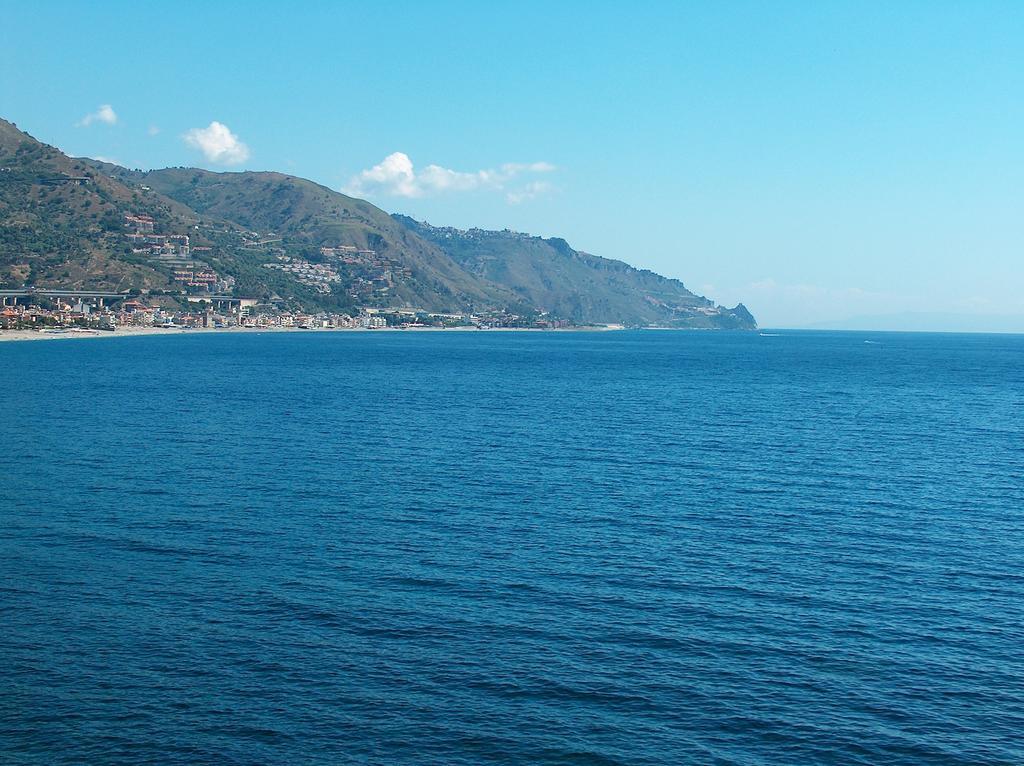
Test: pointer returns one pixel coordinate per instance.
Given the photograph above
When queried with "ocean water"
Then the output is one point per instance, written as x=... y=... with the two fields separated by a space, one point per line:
x=498 y=548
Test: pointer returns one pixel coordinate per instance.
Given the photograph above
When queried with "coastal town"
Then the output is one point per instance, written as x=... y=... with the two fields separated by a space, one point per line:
x=49 y=311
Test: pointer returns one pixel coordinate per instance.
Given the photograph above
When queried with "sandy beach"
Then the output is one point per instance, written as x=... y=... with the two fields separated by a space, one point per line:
x=134 y=332
x=126 y=332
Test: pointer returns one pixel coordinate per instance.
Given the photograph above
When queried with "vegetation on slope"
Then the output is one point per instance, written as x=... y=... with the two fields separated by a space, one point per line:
x=306 y=216
x=61 y=219
x=568 y=283
x=62 y=224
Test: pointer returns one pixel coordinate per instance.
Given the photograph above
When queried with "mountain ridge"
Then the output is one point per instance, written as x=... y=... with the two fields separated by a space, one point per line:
x=606 y=290
x=84 y=223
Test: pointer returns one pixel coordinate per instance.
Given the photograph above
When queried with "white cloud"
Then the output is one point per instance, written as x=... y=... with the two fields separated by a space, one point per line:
x=515 y=168
x=104 y=114
x=396 y=176
x=109 y=160
x=218 y=144
x=153 y=130
x=530 y=191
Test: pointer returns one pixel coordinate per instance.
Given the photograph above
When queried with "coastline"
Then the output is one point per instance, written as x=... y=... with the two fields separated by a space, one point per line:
x=14 y=336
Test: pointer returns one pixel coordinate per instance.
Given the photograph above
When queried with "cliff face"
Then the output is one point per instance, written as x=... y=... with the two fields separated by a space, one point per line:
x=63 y=224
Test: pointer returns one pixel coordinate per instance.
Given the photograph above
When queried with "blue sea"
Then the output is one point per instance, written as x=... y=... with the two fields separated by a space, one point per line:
x=638 y=547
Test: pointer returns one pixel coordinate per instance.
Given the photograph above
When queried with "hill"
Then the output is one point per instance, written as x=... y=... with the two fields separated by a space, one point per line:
x=568 y=283
x=302 y=217
x=61 y=220
x=84 y=224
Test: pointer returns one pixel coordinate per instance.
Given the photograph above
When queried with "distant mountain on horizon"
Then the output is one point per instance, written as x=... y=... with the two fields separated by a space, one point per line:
x=87 y=224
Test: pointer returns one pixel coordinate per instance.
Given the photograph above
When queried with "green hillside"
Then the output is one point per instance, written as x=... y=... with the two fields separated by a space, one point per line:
x=307 y=216
x=80 y=223
x=549 y=274
x=61 y=220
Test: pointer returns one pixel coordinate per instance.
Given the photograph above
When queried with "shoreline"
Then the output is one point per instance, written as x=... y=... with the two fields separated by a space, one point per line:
x=15 y=336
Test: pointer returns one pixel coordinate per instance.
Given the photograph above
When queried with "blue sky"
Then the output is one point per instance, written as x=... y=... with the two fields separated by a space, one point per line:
x=818 y=161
